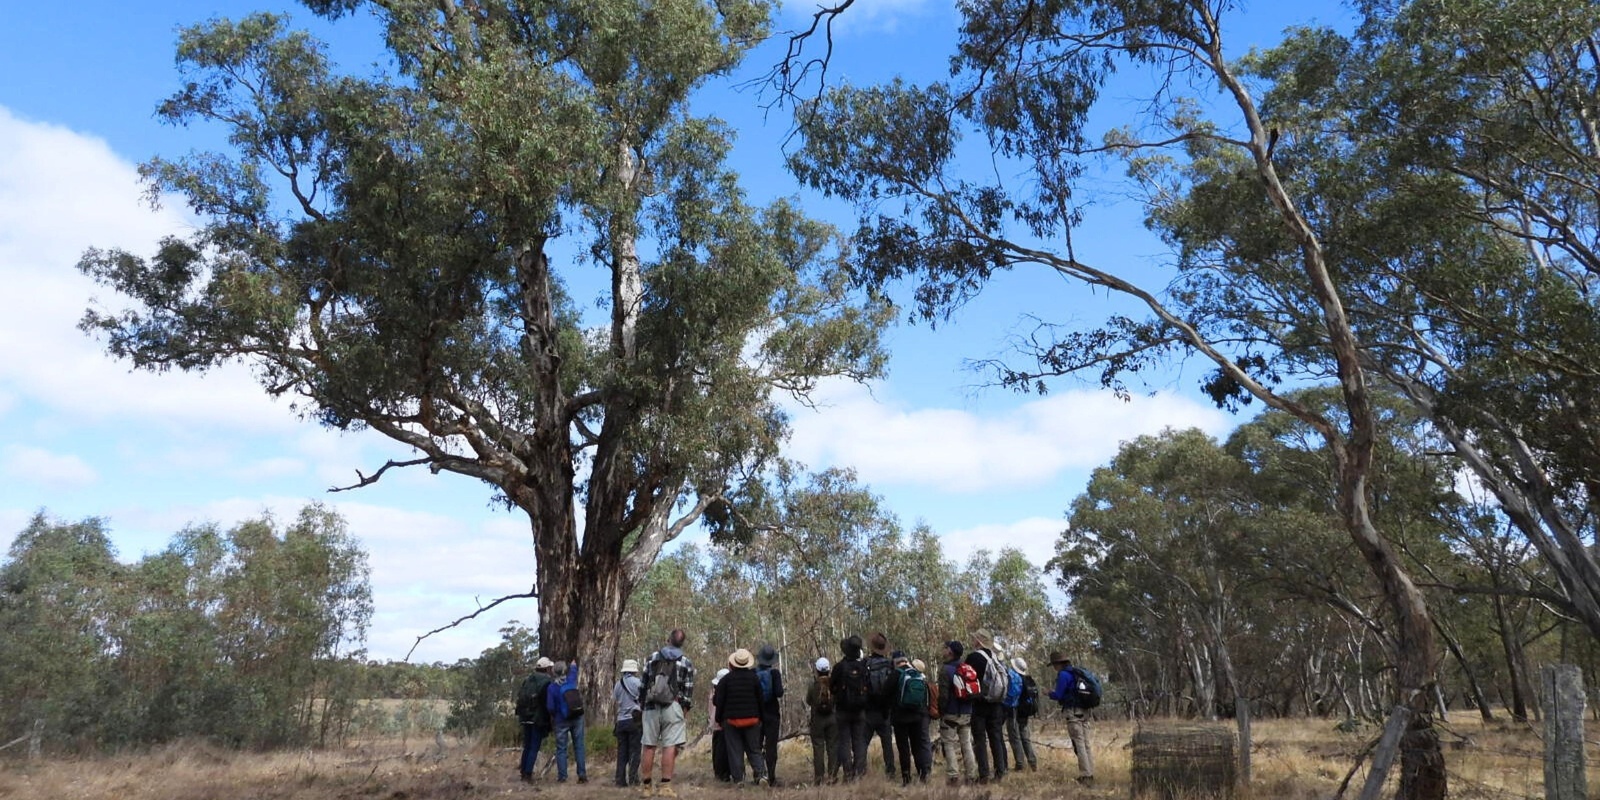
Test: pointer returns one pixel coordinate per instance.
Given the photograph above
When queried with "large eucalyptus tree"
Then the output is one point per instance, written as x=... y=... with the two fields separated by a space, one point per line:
x=418 y=254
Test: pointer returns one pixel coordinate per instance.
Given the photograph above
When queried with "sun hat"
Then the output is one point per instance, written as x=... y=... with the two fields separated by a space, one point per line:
x=1058 y=657
x=916 y=664
x=1020 y=665
x=543 y=663
x=767 y=656
x=983 y=638
x=630 y=665
x=823 y=665
x=741 y=659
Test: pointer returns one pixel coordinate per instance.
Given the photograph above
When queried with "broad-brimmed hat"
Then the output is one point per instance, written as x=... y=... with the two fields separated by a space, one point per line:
x=741 y=659
x=630 y=665
x=1058 y=657
x=543 y=663
x=767 y=656
x=916 y=664
x=1020 y=665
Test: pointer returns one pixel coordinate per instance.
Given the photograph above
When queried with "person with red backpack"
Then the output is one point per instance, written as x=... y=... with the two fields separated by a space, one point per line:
x=957 y=686
x=824 y=727
x=851 y=695
x=1072 y=688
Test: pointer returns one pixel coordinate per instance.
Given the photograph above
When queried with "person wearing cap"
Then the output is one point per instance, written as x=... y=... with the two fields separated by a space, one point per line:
x=719 y=741
x=663 y=719
x=955 y=719
x=739 y=710
x=625 y=695
x=910 y=721
x=824 y=728
x=771 y=707
x=532 y=714
x=1019 y=715
x=1077 y=718
x=988 y=718
x=929 y=731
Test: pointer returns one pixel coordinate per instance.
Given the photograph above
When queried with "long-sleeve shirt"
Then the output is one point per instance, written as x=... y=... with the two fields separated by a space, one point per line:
x=1064 y=692
x=555 y=698
x=685 y=673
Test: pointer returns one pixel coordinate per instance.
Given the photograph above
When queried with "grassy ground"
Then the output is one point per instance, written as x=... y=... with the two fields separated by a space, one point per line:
x=1294 y=760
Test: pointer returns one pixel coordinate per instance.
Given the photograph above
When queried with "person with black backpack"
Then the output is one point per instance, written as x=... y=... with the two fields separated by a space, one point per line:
x=668 y=693
x=1018 y=716
x=851 y=695
x=824 y=728
x=627 y=695
x=566 y=707
x=880 y=709
x=532 y=715
x=1078 y=691
x=988 y=717
x=909 y=715
x=771 y=708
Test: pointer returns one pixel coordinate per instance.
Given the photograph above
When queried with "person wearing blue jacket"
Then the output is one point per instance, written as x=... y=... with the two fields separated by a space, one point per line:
x=1077 y=718
x=569 y=726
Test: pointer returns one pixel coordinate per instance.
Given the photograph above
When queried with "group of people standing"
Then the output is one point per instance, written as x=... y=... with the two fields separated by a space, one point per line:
x=980 y=702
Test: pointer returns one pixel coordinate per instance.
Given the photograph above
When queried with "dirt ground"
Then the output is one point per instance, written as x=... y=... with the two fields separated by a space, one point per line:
x=1292 y=759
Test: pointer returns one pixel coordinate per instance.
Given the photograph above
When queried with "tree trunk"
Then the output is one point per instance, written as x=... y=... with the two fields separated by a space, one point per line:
x=1466 y=669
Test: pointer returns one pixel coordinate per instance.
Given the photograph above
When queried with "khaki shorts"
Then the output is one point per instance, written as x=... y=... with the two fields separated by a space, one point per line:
x=664 y=727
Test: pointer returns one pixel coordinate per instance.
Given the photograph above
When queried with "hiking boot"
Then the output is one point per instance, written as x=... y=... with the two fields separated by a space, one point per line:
x=527 y=777
x=583 y=779
x=953 y=782
x=647 y=790
x=665 y=791
x=1086 y=780
x=762 y=782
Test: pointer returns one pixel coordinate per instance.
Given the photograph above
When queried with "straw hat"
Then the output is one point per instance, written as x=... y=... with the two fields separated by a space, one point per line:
x=1020 y=665
x=741 y=659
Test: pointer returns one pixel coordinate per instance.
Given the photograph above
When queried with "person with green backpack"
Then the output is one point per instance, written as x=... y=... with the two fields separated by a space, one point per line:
x=1078 y=691
x=909 y=716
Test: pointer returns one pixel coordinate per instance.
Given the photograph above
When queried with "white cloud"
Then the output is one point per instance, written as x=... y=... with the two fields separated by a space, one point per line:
x=60 y=193
x=1034 y=536
x=957 y=450
x=39 y=467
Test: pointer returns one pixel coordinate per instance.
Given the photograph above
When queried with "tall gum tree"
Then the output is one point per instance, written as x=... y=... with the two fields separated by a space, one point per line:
x=1025 y=78
x=405 y=254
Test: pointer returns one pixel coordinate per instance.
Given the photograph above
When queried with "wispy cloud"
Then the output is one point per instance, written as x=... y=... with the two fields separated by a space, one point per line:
x=956 y=450
x=38 y=467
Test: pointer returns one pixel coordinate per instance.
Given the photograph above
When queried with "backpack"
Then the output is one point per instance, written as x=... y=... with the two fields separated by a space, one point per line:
x=663 y=684
x=854 y=690
x=913 y=690
x=766 y=685
x=993 y=680
x=880 y=676
x=573 y=700
x=965 y=682
x=824 y=704
x=1085 y=689
x=530 y=700
x=1013 y=688
x=1028 y=700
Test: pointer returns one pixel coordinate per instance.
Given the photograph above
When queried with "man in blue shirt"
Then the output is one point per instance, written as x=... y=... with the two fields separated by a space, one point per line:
x=1066 y=694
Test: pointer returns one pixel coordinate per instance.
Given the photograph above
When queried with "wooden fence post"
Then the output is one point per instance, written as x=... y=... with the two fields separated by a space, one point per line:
x=1564 y=777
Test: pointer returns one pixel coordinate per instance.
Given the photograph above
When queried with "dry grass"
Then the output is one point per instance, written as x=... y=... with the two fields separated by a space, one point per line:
x=1294 y=760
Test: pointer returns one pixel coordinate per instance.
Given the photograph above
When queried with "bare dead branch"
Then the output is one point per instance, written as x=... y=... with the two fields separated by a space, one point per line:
x=788 y=75
x=369 y=480
x=530 y=594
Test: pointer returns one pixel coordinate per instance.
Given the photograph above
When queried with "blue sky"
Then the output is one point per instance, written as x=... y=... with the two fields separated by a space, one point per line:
x=81 y=436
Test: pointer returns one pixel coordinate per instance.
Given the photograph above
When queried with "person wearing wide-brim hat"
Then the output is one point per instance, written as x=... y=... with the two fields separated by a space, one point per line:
x=628 y=728
x=988 y=717
x=1077 y=718
x=1017 y=722
x=739 y=710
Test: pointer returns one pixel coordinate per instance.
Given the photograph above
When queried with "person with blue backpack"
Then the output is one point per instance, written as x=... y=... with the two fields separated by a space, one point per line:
x=1023 y=700
x=1078 y=691
x=565 y=704
x=771 y=708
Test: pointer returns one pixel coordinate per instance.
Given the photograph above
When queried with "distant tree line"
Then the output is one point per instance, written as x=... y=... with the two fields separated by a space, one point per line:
x=248 y=636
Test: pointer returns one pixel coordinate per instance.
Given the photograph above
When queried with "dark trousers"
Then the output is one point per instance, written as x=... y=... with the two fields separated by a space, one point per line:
x=852 y=748
x=770 y=732
x=911 y=739
x=719 y=756
x=532 y=740
x=742 y=743
x=989 y=739
x=824 y=747
x=879 y=727
x=630 y=745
